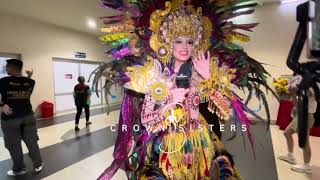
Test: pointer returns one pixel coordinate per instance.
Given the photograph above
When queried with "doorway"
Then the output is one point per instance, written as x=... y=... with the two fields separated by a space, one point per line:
x=3 y=62
x=66 y=73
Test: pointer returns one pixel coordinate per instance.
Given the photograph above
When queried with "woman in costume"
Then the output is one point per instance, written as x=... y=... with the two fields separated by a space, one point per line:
x=173 y=67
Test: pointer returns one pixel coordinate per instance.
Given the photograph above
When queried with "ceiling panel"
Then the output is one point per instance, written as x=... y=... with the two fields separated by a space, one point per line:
x=66 y=13
x=72 y=14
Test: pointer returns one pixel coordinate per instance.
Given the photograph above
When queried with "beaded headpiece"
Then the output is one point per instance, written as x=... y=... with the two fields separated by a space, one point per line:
x=176 y=21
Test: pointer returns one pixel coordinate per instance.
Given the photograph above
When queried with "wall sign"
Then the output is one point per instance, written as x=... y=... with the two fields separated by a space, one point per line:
x=68 y=76
x=81 y=55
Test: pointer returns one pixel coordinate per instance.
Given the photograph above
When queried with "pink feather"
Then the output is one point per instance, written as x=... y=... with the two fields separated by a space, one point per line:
x=241 y=116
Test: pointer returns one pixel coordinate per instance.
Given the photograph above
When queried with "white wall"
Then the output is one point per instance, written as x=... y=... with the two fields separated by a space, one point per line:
x=38 y=43
x=271 y=42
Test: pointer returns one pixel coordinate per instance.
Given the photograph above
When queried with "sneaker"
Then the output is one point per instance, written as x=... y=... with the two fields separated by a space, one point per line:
x=88 y=123
x=302 y=168
x=76 y=128
x=16 y=173
x=39 y=168
x=288 y=159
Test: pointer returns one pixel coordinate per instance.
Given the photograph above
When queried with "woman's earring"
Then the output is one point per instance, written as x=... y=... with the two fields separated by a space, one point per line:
x=164 y=54
x=191 y=56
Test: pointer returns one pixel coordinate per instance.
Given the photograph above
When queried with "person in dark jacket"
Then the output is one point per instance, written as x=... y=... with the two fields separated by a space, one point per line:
x=82 y=96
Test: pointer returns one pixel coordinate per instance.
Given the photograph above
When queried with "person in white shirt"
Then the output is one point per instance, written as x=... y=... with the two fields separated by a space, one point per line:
x=293 y=128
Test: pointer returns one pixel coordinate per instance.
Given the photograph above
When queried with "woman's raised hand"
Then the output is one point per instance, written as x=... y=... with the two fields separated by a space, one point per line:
x=202 y=64
x=29 y=73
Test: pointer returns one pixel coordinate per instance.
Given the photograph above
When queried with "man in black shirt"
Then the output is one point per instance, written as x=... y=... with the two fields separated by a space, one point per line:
x=82 y=96
x=17 y=119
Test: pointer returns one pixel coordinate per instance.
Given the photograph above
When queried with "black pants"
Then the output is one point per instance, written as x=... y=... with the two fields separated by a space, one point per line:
x=15 y=130
x=79 y=112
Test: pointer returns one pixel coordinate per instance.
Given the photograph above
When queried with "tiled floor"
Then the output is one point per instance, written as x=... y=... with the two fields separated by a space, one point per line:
x=89 y=168
x=283 y=168
x=83 y=156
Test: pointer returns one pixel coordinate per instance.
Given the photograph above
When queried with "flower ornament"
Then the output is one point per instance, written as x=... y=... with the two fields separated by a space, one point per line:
x=159 y=91
x=219 y=105
x=196 y=100
x=281 y=85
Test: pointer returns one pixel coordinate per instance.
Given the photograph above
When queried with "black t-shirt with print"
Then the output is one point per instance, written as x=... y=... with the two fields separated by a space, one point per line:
x=16 y=92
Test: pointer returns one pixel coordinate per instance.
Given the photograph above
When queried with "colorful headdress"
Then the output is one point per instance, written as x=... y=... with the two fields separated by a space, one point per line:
x=146 y=28
x=168 y=24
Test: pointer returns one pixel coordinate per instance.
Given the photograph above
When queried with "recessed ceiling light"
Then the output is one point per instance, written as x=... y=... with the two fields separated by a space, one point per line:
x=288 y=1
x=91 y=23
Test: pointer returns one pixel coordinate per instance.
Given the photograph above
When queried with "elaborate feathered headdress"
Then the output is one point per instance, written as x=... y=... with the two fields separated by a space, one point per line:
x=142 y=29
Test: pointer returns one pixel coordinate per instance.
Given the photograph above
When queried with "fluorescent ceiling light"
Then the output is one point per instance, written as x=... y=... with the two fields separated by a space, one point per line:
x=288 y=1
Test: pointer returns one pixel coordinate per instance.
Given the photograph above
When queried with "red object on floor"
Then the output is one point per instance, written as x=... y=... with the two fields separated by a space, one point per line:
x=284 y=117
x=46 y=109
x=315 y=131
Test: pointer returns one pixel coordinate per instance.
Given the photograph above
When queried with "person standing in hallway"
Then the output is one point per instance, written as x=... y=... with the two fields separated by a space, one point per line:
x=17 y=118
x=293 y=128
x=82 y=97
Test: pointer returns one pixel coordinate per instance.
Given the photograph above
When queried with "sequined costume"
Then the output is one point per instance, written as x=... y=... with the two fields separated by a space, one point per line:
x=174 y=141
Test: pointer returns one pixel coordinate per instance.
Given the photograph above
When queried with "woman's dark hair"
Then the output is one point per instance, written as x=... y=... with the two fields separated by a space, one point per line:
x=150 y=170
x=224 y=152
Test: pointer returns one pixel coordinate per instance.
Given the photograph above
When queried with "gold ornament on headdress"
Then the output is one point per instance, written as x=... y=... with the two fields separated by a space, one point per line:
x=150 y=78
x=174 y=21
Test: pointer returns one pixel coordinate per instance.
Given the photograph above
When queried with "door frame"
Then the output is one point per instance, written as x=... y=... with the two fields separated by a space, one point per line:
x=78 y=62
x=10 y=56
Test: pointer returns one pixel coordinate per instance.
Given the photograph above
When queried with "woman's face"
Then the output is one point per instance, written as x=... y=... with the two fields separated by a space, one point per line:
x=182 y=48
